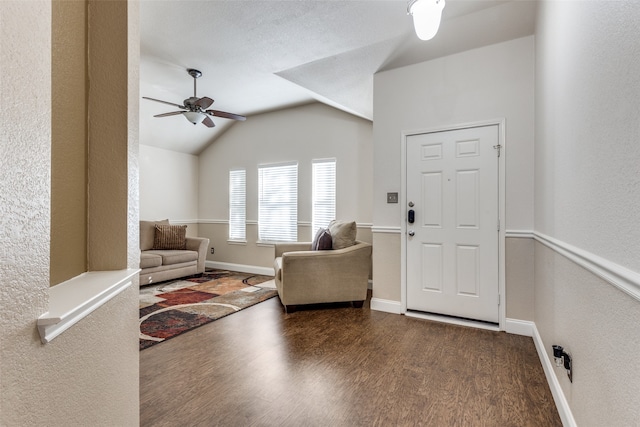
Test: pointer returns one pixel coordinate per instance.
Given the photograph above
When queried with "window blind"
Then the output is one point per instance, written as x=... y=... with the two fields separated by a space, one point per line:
x=324 y=193
x=237 y=204
x=278 y=203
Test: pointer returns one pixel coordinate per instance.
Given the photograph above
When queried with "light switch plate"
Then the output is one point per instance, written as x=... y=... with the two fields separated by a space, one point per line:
x=392 y=197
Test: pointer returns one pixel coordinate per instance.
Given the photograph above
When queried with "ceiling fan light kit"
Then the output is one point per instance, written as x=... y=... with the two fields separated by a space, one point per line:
x=195 y=109
x=194 y=116
x=426 y=17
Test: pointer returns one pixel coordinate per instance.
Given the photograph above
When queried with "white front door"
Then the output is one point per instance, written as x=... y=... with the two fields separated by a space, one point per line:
x=452 y=243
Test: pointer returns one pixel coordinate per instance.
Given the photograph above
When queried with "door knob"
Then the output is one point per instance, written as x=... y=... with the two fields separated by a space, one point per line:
x=411 y=233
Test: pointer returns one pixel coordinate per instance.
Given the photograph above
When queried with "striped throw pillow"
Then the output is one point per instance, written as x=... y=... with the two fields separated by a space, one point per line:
x=170 y=237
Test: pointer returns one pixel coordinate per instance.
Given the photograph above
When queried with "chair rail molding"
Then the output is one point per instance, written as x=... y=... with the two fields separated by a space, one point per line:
x=621 y=277
x=385 y=229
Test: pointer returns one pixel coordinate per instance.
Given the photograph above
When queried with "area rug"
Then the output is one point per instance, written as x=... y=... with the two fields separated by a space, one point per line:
x=171 y=308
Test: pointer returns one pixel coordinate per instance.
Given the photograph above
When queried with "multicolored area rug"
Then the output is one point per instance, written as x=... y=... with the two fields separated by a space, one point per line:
x=171 y=308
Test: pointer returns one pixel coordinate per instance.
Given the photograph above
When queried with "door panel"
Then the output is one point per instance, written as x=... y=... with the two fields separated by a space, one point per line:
x=452 y=257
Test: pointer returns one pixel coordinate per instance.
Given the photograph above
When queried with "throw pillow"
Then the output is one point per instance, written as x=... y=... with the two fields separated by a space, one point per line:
x=322 y=241
x=343 y=233
x=169 y=237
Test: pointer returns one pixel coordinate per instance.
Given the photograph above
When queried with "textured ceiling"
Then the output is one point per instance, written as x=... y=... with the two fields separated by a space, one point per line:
x=259 y=56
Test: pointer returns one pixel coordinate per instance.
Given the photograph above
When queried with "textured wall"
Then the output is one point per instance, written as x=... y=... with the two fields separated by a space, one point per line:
x=89 y=374
x=587 y=194
x=25 y=65
x=598 y=325
x=587 y=132
x=488 y=83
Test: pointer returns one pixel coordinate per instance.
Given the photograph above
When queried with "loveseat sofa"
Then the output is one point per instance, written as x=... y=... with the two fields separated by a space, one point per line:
x=166 y=253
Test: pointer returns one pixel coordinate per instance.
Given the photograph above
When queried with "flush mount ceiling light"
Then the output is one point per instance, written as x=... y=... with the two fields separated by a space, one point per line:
x=426 y=17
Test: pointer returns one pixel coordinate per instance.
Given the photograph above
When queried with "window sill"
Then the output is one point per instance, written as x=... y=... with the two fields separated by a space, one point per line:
x=71 y=301
x=237 y=242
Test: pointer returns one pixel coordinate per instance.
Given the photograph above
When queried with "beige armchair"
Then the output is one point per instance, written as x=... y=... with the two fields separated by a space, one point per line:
x=304 y=276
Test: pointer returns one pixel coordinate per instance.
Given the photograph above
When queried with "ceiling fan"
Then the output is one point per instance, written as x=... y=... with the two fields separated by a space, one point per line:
x=195 y=109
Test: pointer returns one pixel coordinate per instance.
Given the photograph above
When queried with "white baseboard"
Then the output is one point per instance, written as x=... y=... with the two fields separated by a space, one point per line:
x=386 y=305
x=242 y=268
x=519 y=327
x=558 y=395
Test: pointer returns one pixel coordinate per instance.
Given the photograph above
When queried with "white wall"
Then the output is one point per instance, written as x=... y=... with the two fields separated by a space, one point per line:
x=588 y=184
x=587 y=195
x=168 y=185
x=492 y=82
x=301 y=134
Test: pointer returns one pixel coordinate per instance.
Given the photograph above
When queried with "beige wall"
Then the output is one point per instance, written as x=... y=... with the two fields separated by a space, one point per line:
x=519 y=259
x=89 y=374
x=251 y=253
x=68 y=140
x=386 y=266
x=587 y=195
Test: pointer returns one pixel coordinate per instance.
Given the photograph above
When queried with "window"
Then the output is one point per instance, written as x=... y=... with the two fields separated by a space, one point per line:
x=278 y=203
x=324 y=193
x=237 y=204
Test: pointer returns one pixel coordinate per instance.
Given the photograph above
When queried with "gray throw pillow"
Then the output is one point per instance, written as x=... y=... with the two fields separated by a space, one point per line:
x=343 y=233
x=322 y=241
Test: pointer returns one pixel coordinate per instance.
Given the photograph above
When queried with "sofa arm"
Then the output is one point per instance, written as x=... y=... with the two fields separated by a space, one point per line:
x=291 y=247
x=199 y=244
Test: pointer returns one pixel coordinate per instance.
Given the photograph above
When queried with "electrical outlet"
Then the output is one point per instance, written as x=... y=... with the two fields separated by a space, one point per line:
x=212 y=251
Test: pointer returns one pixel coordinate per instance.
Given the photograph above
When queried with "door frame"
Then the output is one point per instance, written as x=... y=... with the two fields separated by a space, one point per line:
x=501 y=216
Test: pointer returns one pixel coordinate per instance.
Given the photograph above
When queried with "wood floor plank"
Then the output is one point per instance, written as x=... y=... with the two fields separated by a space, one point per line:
x=342 y=366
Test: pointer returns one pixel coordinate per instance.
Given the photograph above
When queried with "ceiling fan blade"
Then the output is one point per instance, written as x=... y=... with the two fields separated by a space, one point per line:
x=173 y=113
x=226 y=115
x=208 y=122
x=204 y=102
x=165 y=102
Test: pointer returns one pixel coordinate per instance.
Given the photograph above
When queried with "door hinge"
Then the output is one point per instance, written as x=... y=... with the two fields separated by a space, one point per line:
x=498 y=147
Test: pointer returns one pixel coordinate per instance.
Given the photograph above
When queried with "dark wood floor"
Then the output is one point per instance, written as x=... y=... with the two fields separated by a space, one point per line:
x=342 y=366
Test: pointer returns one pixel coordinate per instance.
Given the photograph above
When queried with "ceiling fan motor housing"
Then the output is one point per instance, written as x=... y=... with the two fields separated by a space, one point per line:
x=191 y=103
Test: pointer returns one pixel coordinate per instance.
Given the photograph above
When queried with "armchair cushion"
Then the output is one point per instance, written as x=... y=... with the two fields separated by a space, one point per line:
x=343 y=233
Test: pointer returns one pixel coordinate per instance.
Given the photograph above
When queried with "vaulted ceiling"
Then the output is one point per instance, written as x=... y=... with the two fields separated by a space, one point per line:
x=260 y=56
